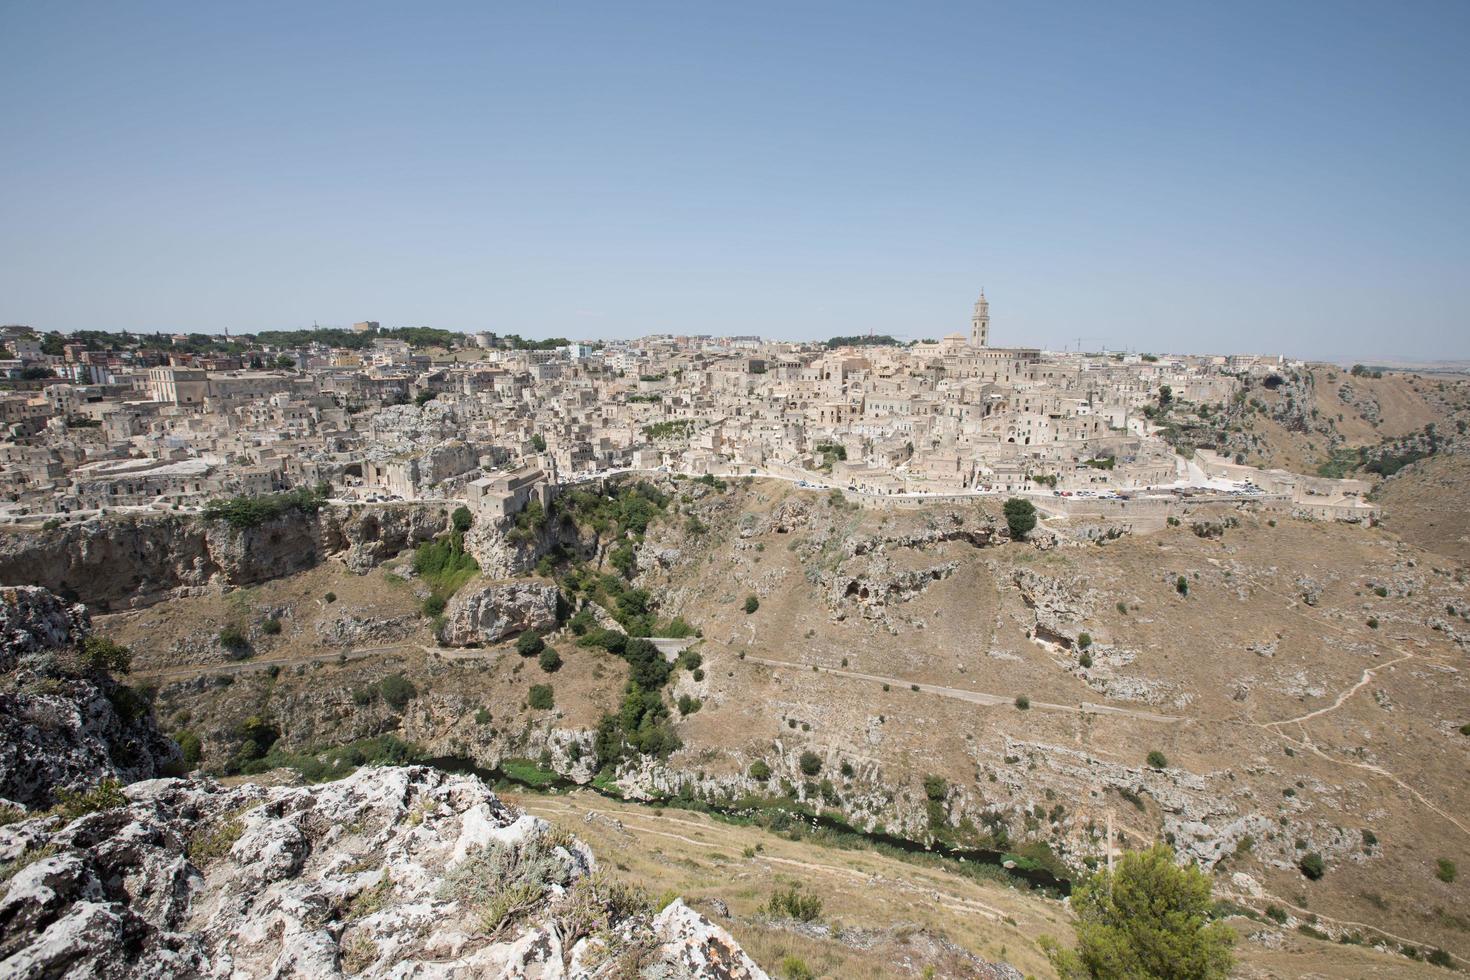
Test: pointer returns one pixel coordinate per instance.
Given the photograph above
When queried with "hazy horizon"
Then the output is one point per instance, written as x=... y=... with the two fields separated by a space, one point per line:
x=1189 y=179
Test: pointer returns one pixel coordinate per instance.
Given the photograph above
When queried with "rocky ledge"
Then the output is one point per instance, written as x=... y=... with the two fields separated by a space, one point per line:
x=490 y=613
x=403 y=872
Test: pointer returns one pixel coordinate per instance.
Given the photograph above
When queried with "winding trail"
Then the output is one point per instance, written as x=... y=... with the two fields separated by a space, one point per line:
x=1305 y=742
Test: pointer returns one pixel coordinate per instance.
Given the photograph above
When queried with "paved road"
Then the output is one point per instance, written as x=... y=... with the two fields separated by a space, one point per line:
x=976 y=697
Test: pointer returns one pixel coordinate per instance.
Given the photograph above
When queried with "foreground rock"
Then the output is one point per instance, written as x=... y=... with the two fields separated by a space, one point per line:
x=390 y=872
x=491 y=613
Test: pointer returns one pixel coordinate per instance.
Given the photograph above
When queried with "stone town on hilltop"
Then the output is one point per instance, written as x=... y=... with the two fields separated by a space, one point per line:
x=117 y=422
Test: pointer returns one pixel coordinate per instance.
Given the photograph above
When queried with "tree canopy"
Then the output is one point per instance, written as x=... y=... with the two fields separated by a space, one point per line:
x=1148 y=918
x=1020 y=517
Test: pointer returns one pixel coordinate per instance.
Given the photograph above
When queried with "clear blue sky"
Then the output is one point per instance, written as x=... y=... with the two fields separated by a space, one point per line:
x=1182 y=176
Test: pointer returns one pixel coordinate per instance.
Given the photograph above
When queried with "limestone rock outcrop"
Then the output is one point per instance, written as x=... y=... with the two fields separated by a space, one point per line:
x=59 y=726
x=121 y=562
x=110 y=563
x=365 y=537
x=389 y=872
x=489 y=613
x=34 y=619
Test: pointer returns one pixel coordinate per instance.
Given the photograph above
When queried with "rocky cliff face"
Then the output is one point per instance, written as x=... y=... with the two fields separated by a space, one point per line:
x=113 y=562
x=363 y=538
x=491 y=613
x=390 y=872
x=503 y=554
x=32 y=619
x=133 y=561
x=61 y=726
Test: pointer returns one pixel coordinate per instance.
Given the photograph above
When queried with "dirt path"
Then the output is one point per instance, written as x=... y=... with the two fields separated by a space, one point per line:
x=243 y=666
x=1305 y=743
x=1368 y=674
x=976 y=697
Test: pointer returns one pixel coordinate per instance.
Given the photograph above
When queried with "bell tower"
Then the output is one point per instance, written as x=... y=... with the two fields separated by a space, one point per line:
x=980 y=322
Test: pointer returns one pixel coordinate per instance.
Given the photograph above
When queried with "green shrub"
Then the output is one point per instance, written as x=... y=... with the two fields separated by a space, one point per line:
x=1372 y=622
x=483 y=716
x=680 y=628
x=1445 y=870
x=530 y=643
x=191 y=747
x=434 y=606
x=101 y=653
x=247 y=512
x=1181 y=585
x=461 y=519
x=330 y=598
x=71 y=804
x=793 y=967
x=232 y=637
x=541 y=697
x=1157 y=760
x=1312 y=865
x=1020 y=515
x=1147 y=918
x=759 y=770
x=752 y=604
x=1084 y=640
x=1085 y=660
x=444 y=565
x=935 y=788
x=1023 y=702
x=271 y=627
x=549 y=660
x=810 y=763
x=793 y=903
x=688 y=705
x=397 y=691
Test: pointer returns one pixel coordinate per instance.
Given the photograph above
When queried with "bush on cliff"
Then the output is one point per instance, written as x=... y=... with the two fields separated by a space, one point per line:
x=444 y=564
x=101 y=653
x=397 y=691
x=247 y=512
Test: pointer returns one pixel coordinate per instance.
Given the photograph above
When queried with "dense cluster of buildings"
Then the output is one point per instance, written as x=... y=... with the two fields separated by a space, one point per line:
x=154 y=428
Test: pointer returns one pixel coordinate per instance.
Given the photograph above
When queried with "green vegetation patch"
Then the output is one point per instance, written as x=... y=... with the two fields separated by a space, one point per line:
x=246 y=512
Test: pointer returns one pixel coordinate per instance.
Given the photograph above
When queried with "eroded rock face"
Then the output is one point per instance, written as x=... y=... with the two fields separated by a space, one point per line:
x=390 y=872
x=60 y=727
x=33 y=619
x=131 y=561
x=111 y=563
x=365 y=537
x=491 y=613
